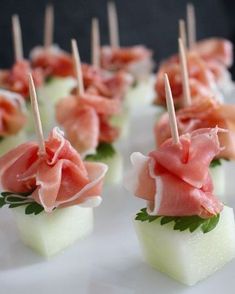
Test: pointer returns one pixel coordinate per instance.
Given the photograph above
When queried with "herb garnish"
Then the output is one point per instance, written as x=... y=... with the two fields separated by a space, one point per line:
x=103 y=151
x=14 y=200
x=181 y=223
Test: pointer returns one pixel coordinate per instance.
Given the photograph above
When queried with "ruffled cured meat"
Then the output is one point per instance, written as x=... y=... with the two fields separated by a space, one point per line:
x=16 y=79
x=137 y=60
x=85 y=120
x=218 y=55
x=57 y=179
x=53 y=61
x=175 y=179
x=205 y=113
x=215 y=49
x=201 y=79
x=12 y=113
x=110 y=85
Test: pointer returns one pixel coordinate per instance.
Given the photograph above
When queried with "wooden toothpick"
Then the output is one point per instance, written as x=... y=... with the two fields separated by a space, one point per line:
x=78 y=67
x=182 y=32
x=95 y=43
x=36 y=116
x=17 y=38
x=171 y=111
x=184 y=71
x=191 y=25
x=113 y=25
x=49 y=26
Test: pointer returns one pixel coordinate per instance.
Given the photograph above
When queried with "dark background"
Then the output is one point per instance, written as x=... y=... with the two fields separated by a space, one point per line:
x=151 y=22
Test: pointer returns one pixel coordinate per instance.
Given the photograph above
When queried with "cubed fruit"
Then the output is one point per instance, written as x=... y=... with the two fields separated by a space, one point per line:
x=10 y=142
x=218 y=178
x=141 y=94
x=115 y=168
x=184 y=256
x=48 y=234
x=122 y=122
x=58 y=88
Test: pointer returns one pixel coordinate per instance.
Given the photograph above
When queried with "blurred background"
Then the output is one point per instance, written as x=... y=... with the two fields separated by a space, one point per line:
x=150 y=22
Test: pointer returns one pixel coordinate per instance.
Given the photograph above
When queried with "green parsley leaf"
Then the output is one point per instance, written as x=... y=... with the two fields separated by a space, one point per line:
x=30 y=207
x=103 y=151
x=181 y=223
x=33 y=208
x=1 y=138
x=215 y=162
x=48 y=79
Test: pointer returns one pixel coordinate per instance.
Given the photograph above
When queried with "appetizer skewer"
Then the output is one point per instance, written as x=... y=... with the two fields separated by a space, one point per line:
x=50 y=189
x=184 y=231
x=56 y=64
x=136 y=60
x=85 y=117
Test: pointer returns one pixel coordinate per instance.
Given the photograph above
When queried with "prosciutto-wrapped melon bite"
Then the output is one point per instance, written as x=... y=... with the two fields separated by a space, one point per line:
x=51 y=191
x=112 y=85
x=136 y=60
x=16 y=79
x=55 y=63
x=202 y=112
x=184 y=230
x=205 y=113
x=216 y=52
x=85 y=118
x=12 y=120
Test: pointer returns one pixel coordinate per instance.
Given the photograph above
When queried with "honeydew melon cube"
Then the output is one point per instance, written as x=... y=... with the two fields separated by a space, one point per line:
x=115 y=169
x=48 y=234
x=218 y=178
x=10 y=142
x=142 y=93
x=184 y=256
x=57 y=88
x=122 y=122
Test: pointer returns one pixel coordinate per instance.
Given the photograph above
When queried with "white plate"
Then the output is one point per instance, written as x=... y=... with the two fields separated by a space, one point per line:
x=109 y=261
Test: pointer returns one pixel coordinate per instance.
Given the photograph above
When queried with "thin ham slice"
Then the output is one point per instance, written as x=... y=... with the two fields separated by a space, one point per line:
x=12 y=113
x=201 y=79
x=100 y=82
x=57 y=179
x=137 y=60
x=215 y=49
x=53 y=61
x=86 y=120
x=204 y=113
x=175 y=179
x=16 y=79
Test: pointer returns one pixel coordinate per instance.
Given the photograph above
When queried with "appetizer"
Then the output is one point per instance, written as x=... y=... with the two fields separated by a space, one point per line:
x=12 y=120
x=184 y=231
x=16 y=78
x=51 y=190
x=136 y=60
x=55 y=63
x=85 y=118
x=217 y=53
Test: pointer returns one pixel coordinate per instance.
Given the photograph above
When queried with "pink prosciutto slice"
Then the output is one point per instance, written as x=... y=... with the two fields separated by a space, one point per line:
x=57 y=179
x=86 y=120
x=175 y=179
x=204 y=113
x=52 y=61
x=110 y=85
x=137 y=60
x=12 y=113
x=215 y=49
x=16 y=79
x=201 y=79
